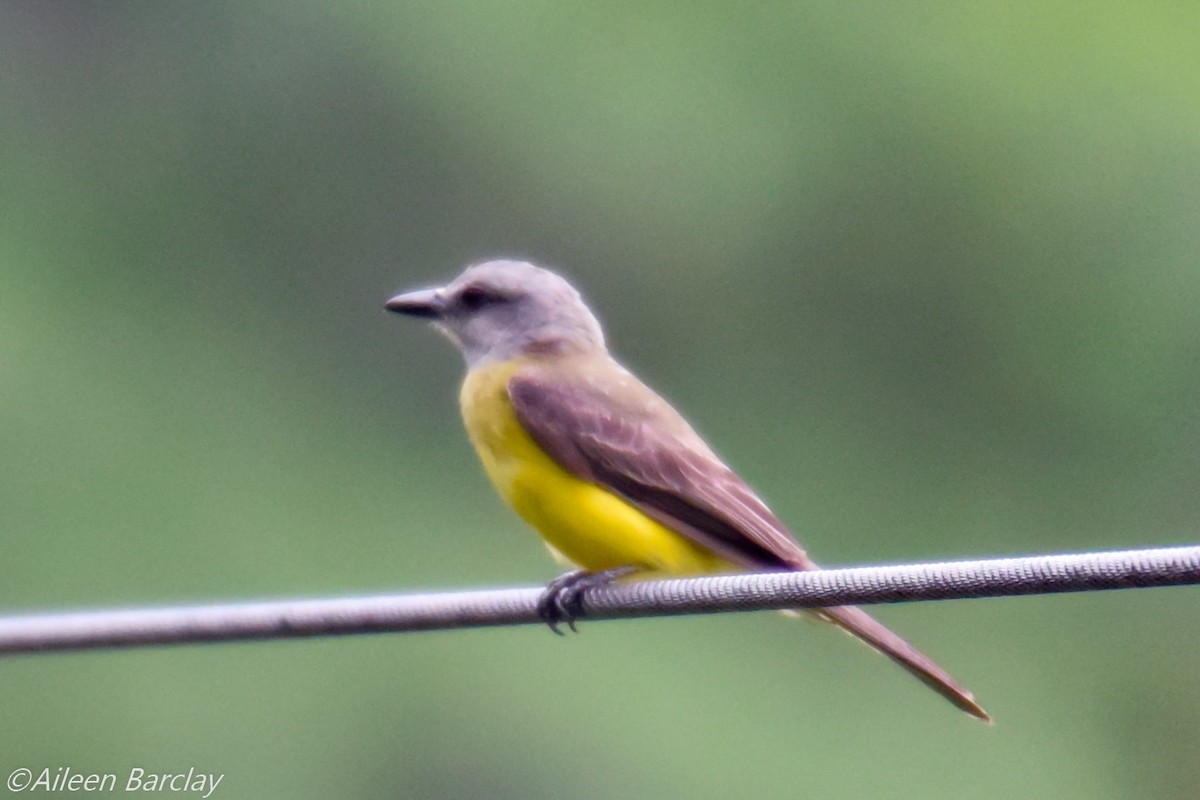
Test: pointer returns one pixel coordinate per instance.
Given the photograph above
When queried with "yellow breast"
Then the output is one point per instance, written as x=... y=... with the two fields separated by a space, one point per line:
x=586 y=523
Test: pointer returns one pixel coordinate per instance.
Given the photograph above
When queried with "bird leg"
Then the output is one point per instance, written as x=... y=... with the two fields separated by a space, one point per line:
x=563 y=599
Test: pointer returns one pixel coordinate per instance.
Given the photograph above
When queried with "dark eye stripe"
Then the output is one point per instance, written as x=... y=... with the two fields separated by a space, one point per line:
x=474 y=297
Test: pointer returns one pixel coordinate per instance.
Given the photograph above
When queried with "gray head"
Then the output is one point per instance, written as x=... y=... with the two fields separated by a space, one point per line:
x=505 y=309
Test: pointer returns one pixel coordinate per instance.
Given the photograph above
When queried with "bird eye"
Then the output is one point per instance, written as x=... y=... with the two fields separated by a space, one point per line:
x=474 y=297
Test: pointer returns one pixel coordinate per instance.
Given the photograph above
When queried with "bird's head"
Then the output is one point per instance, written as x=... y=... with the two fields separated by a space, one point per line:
x=506 y=309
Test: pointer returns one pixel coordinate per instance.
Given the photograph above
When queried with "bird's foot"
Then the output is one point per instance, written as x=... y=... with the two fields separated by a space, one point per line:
x=563 y=599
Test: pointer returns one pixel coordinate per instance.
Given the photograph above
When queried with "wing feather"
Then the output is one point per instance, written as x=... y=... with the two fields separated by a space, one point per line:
x=615 y=431
x=611 y=429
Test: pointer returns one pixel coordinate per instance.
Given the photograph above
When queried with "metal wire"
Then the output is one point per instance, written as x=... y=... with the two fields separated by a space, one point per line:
x=956 y=580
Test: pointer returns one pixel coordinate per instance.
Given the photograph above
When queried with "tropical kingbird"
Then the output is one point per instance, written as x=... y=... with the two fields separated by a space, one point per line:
x=613 y=478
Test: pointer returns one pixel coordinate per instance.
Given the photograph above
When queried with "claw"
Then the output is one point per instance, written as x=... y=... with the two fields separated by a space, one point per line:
x=547 y=606
x=563 y=599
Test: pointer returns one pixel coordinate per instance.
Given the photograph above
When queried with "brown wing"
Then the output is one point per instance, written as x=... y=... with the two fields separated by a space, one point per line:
x=604 y=425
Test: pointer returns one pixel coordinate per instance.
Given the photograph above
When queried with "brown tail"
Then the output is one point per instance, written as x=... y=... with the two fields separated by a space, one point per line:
x=862 y=625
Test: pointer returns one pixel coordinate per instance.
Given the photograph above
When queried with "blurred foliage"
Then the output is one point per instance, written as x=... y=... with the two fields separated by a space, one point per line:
x=926 y=274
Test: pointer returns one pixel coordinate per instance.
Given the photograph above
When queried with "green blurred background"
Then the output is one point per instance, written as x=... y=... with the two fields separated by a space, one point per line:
x=927 y=275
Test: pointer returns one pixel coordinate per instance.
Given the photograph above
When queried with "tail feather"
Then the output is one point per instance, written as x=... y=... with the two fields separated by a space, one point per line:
x=860 y=624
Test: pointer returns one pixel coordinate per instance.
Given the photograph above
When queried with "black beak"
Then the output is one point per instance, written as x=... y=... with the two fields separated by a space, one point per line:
x=421 y=303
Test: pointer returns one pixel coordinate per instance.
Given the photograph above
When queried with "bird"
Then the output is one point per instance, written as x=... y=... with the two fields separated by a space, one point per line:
x=615 y=480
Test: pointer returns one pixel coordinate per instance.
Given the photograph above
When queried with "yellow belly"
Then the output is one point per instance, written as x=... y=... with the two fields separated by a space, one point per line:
x=586 y=523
